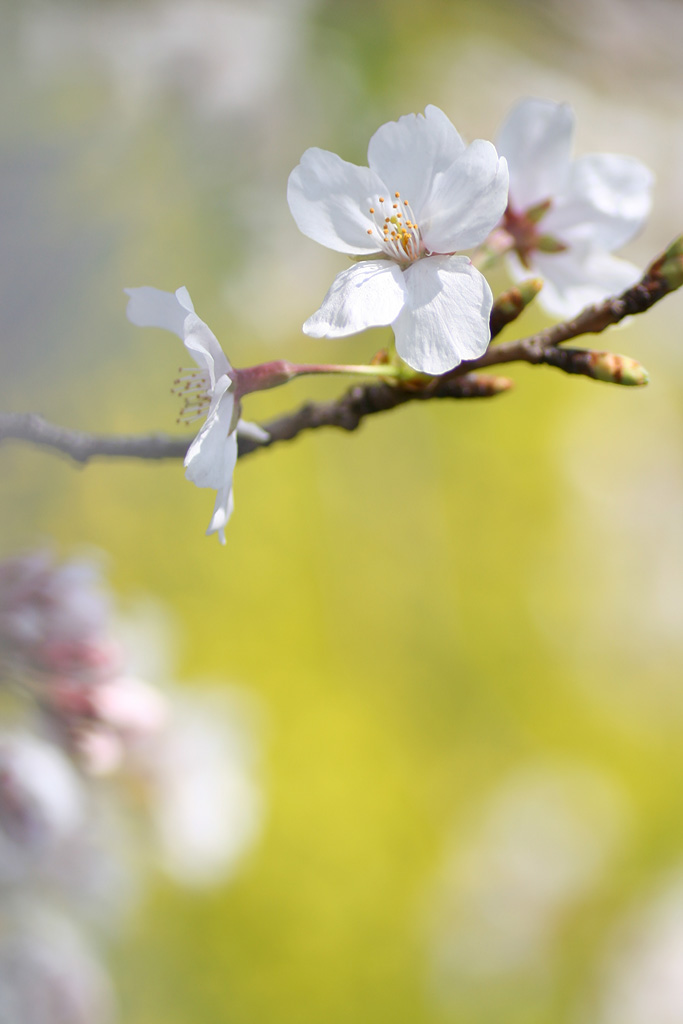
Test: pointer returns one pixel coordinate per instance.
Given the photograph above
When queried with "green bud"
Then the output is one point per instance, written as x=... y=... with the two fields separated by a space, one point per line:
x=471 y=385
x=670 y=265
x=615 y=369
x=508 y=306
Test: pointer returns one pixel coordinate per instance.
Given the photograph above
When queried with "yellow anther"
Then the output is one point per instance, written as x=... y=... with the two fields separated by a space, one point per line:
x=405 y=202
x=369 y=231
x=381 y=199
x=372 y=209
x=397 y=194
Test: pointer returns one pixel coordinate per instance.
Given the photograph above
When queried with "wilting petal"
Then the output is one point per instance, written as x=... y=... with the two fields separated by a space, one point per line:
x=407 y=154
x=330 y=201
x=467 y=202
x=212 y=456
x=369 y=294
x=151 y=307
x=606 y=201
x=536 y=140
x=446 y=316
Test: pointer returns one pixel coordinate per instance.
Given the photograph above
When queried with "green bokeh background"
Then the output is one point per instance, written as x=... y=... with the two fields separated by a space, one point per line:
x=450 y=597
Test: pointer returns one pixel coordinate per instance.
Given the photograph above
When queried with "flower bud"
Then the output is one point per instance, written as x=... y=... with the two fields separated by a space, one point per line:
x=616 y=369
x=510 y=304
x=670 y=265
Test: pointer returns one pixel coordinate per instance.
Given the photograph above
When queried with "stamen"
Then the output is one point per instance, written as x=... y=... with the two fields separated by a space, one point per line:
x=400 y=235
x=194 y=388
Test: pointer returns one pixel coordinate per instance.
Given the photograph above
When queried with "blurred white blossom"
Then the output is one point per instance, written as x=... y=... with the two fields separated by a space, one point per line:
x=204 y=801
x=225 y=56
x=182 y=785
x=53 y=617
x=643 y=981
x=539 y=845
x=42 y=803
x=565 y=217
x=47 y=974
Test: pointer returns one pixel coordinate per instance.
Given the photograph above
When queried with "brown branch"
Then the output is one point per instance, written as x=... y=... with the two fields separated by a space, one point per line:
x=345 y=413
x=364 y=400
x=348 y=411
x=82 y=447
x=662 y=277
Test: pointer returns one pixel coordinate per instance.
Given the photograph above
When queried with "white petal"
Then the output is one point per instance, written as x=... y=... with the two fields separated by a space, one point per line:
x=536 y=140
x=222 y=510
x=606 y=201
x=330 y=200
x=151 y=307
x=576 y=279
x=408 y=154
x=203 y=346
x=211 y=457
x=467 y=202
x=252 y=432
x=446 y=316
x=369 y=294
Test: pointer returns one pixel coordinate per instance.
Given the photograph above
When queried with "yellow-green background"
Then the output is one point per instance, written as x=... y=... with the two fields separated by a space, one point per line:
x=451 y=596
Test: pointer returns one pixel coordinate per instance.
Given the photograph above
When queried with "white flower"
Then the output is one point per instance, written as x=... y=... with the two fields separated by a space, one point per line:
x=424 y=196
x=211 y=458
x=567 y=216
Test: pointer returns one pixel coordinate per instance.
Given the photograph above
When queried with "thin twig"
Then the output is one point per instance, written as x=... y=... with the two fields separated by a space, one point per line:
x=81 y=447
x=593 y=320
x=345 y=413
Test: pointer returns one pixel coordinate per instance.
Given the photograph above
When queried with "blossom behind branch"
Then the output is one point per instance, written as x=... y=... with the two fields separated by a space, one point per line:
x=565 y=217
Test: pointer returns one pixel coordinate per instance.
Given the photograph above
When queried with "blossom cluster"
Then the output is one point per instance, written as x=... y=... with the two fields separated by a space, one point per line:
x=179 y=782
x=407 y=221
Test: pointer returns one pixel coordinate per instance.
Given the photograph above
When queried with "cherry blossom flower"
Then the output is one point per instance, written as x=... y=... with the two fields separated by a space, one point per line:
x=565 y=217
x=211 y=458
x=424 y=196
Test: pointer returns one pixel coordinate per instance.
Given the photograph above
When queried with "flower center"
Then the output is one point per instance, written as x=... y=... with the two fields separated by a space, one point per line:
x=395 y=229
x=194 y=388
x=522 y=226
